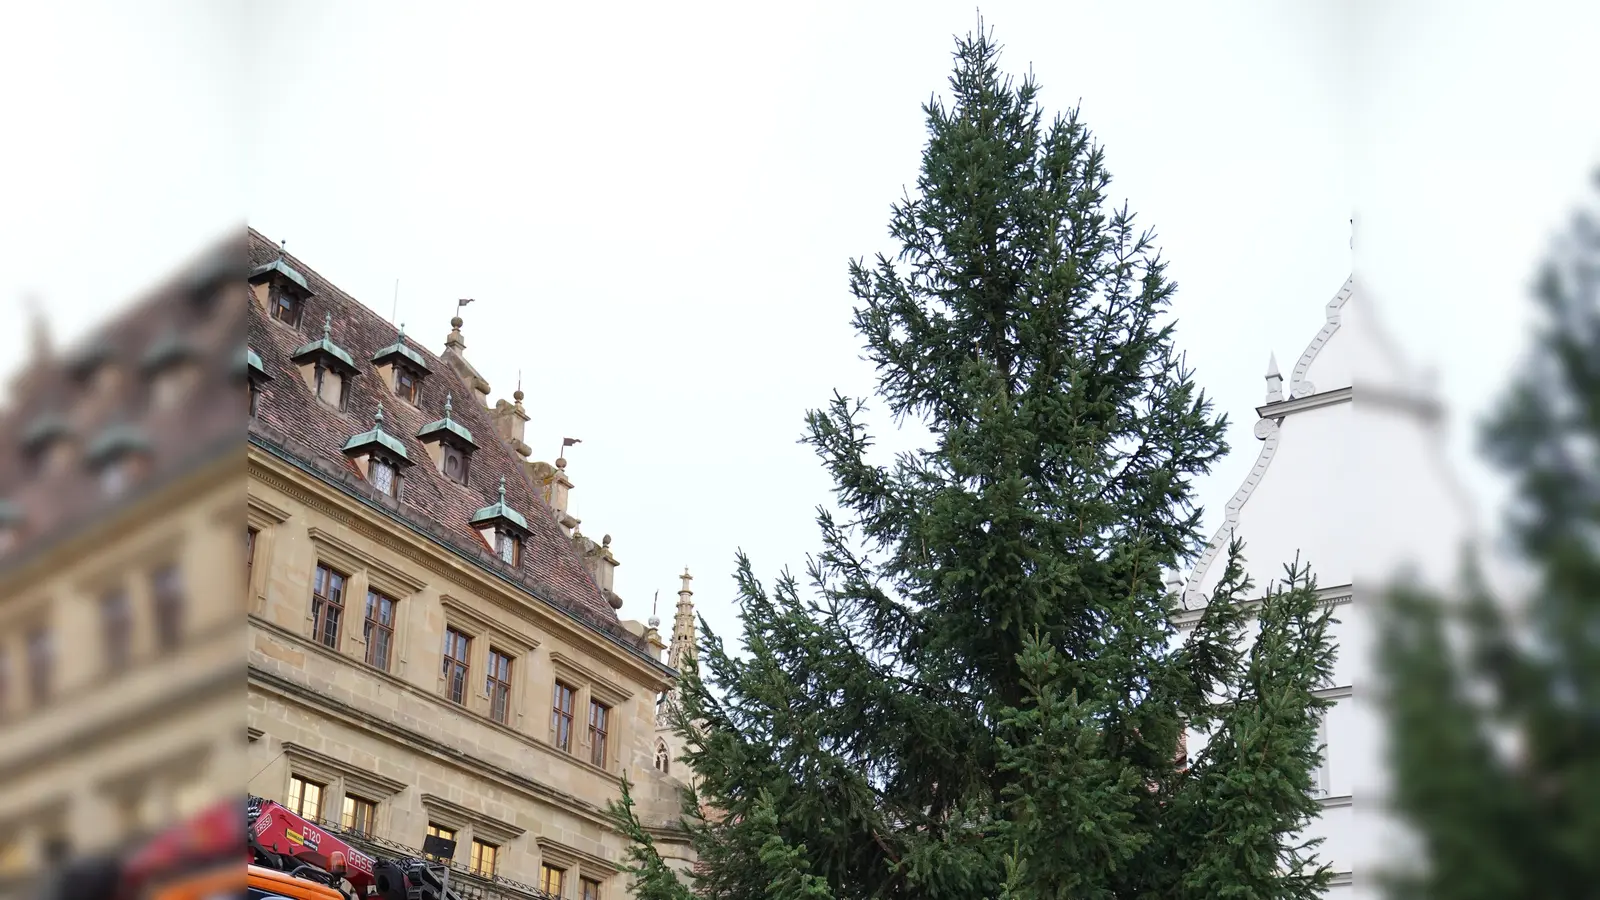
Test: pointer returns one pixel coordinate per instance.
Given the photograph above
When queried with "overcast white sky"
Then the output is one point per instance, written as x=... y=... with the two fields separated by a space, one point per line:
x=654 y=204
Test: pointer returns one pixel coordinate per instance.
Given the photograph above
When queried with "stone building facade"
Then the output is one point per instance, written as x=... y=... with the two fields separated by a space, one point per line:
x=120 y=482
x=434 y=647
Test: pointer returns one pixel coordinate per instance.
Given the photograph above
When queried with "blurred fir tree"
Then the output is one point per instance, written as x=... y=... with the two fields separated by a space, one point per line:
x=981 y=692
x=1493 y=707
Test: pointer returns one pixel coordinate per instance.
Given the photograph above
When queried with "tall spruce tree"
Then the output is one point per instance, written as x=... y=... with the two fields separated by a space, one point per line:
x=1493 y=708
x=980 y=691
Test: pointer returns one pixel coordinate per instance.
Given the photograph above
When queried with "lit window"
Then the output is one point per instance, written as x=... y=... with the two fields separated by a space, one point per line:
x=379 y=629
x=561 y=717
x=483 y=858
x=305 y=798
x=456 y=646
x=358 y=814
x=591 y=888
x=327 y=606
x=499 y=686
x=599 y=719
x=442 y=833
x=551 y=879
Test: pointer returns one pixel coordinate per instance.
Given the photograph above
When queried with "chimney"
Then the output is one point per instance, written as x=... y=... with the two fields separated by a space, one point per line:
x=602 y=565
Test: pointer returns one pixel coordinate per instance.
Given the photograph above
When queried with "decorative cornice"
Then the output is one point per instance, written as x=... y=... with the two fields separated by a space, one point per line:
x=361 y=778
x=348 y=554
x=1336 y=802
x=1267 y=430
x=482 y=825
x=1302 y=404
x=608 y=691
x=1298 y=385
x=1338 y=595
x=556 y=852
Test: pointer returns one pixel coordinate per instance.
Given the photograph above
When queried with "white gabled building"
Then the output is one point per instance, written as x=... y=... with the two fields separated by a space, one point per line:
x=1351 y=477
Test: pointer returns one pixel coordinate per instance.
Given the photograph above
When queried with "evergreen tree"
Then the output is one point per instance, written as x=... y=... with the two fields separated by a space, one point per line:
x=980 y=691
x=1494 y=715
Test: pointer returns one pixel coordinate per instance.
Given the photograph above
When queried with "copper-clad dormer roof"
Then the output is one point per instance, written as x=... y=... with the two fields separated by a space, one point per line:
x=295 y=425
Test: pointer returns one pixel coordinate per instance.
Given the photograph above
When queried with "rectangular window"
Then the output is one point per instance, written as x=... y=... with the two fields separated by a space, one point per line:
x=286 y=308
x=327 y=606
x=551 y=879
x=378 y=631
x=1322 y=785
x=591 y=888
x=166 y=589
x=561 y=717
x=441 y=832
x=456 y=646
x=483 y=858
x=41 y=663
x=116 y=624
x=383 y=477
x=358 y=814
x=599 y=719
x=499 y=686
x=249 y=554
x=305 y=798
x=405 y=384
x=510 y=548
x=255 y=396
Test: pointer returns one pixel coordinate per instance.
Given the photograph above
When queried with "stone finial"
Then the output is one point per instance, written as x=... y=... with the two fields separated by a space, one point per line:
x=502 y=490
x=1274 y=380
x=377 y=418
x=327 y=327
x=447 y=398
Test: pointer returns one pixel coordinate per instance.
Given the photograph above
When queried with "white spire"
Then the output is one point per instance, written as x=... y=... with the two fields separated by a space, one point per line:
x=1274 y=380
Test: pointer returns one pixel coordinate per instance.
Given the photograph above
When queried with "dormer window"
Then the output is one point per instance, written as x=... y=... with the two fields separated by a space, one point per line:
x=379 y=456
x=281 y=291
x=510 y=549
x=502 y=528
x=405 y=384
x=116 y=457
x=256 y=374
x=326 y=367
x=402 y=368
x=47 y=443
x=169 y=362
x=449 y=444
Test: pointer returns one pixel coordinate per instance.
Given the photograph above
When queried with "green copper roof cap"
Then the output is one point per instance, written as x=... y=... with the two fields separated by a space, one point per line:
x=432 y=429
x=250 y=364
x=377 y=436
x=169 y=348
x=279 y=267
x=326 y=347
x=499 y=512
x=115 y=441
x=401 y=348
x=45 y=427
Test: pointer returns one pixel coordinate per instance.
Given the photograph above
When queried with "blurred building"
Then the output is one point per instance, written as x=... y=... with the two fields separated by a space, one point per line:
x=121 y=475
x=1351 y=479
x=434 y=646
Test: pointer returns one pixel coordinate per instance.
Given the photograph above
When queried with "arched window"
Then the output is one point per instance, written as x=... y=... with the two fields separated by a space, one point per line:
x=663 y=756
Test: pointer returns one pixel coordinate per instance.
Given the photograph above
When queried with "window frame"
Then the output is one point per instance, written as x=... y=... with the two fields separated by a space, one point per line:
x=405 y=374
x=498 y=688
x=167 y=604
x=505 y=540
x=476 y=855
x=298 y=808
x=321 y=603
x=599 y=732
x=559 y=881
x=452 y=452
x=385 y=630
x=355 y=803
x=118 y=648
x=463 y=677
x=39 y=659
x=442 y=831
x=585 y=885
x=560 y=716
x=276 y=297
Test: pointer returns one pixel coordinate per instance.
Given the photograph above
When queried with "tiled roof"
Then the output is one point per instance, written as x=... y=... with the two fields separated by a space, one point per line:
x=290 y=419
x=51 y=400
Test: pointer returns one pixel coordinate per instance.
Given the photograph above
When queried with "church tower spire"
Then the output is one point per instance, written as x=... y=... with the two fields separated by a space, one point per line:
x=683 y=624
